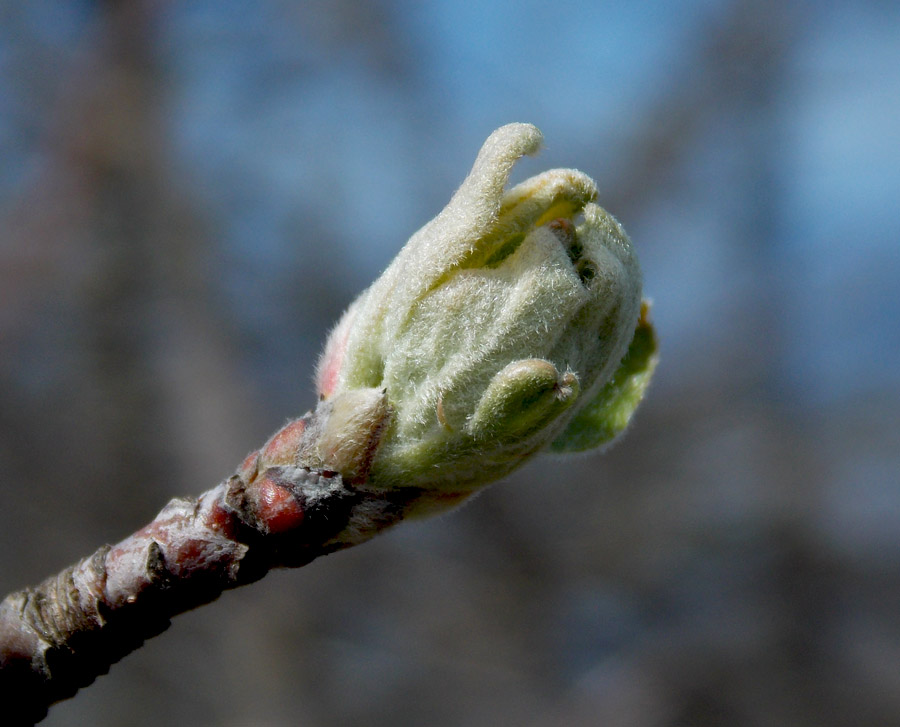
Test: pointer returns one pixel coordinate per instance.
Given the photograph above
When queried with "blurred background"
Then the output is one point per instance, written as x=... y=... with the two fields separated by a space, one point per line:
x=190 y=193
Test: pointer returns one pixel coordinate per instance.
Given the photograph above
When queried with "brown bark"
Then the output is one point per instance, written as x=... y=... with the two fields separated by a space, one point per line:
x=273 y=512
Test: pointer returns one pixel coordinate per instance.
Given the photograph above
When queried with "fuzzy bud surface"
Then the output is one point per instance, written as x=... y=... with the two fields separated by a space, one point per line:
x=497 y=324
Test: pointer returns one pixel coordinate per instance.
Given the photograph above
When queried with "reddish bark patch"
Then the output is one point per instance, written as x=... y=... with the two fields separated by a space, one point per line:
x=276 y=507
x=249 y=467
x=282 y=448
x=220 y=519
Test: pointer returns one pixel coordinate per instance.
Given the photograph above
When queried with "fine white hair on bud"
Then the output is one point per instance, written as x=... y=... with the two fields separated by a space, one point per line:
x=499 y=321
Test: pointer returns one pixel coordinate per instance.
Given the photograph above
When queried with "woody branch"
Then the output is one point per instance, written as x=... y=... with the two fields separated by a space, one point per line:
x=273 y=512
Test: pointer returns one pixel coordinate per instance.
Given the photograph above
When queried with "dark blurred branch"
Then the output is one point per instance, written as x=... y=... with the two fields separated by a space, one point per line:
x=105 y=260
x=740 y=60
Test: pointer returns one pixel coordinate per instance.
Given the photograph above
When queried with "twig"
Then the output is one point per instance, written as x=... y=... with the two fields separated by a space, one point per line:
x=273 y=512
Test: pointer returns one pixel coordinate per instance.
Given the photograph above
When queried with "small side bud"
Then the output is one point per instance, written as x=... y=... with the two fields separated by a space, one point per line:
x=352 y=431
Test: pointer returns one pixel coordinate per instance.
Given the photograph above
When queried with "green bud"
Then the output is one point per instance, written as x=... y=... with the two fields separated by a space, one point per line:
x=495 y=324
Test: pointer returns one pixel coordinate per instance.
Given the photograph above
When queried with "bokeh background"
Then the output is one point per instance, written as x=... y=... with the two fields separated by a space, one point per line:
x=190 y=193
